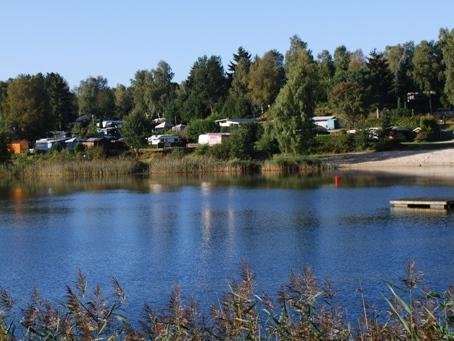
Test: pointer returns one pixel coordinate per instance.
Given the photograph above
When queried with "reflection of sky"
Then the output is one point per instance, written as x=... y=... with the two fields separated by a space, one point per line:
x=197 y=236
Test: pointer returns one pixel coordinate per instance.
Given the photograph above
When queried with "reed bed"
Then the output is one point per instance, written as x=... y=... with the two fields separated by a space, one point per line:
x=98 y=168
x=200 y=164
x=305 y=309
x=291 y=164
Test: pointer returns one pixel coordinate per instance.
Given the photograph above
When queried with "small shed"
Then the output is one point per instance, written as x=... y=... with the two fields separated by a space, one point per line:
x=327 y=122
x=213 y=138
x=18 y=146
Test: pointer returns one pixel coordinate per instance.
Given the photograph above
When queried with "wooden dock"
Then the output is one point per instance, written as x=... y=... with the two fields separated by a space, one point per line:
x=423 y=203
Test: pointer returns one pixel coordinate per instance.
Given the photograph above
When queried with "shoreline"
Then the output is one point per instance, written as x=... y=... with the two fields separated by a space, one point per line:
x=419 y=162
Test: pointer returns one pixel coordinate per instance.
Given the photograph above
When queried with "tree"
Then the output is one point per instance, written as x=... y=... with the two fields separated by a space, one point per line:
x=61 y=100
x=238 y=102
x=448 y=60
x=266 y=78
x=399 y=58
x=379 y=81
x=348 y=100
x=242 y=141
x=205 y=88
x=326 y=73
x=357 y=61
x=341 y=58
x=294 y=106
x=240 y=55
x=153 y=91
x=297 y=46
x=123 y=101
x=95 y=98
x=428 y=71
x=26 y=110
x=135 y=130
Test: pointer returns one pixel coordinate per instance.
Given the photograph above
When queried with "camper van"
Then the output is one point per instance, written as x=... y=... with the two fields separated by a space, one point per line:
x=164 y=140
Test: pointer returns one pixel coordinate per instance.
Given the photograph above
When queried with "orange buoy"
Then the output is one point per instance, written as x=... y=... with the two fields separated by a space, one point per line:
x=337 y=180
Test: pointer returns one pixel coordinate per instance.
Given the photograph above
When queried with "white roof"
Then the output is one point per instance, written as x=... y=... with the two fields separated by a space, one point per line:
x=164 y=125
x=323 y=118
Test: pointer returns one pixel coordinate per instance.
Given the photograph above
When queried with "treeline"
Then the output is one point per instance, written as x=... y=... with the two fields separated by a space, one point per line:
x=285 y=90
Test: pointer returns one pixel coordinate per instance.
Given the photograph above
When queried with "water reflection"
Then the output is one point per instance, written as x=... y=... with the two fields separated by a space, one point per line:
x=157 y=232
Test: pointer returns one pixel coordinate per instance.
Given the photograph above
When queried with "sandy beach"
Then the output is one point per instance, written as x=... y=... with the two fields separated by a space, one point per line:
x=418 y=162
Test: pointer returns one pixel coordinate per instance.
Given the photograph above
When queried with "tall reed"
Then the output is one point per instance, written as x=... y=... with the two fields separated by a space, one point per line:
x=303 y=310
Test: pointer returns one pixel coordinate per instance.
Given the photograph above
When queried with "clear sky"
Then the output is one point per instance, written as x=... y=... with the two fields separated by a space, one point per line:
x=114 y=38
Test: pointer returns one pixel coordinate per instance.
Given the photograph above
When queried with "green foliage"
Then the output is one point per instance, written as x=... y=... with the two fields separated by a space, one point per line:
x=178 y=152
x=448 y=60
x=430 y=130
x=26 y=110
x=341 y=59
x=4 y=140
x=220 y=151
x=96 y=98
x=379 y=81
x=266 y=142
x=242 y=141
x=135 y=129
x=200 y=126
x=348 y=100
x=294 y=107
x=123 y=101
x=238 y=103
x=61 y=101
x=205 y=88
x=266 y=78
x=153 y=91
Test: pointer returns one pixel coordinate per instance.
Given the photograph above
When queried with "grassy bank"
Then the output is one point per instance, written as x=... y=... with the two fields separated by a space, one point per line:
x=293 y=164
x=97 y=165
x=71 y=165
x=304 y=310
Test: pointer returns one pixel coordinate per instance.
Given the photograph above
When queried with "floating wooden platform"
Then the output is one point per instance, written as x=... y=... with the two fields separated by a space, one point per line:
x=423 y=203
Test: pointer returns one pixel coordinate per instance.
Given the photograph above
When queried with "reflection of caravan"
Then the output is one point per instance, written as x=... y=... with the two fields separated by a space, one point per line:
x=164 y=140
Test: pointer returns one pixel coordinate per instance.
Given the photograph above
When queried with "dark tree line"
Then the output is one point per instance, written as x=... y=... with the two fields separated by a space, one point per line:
x=286 y=90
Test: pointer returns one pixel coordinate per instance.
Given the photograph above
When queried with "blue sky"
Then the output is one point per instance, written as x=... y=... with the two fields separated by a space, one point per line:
x=116 y=38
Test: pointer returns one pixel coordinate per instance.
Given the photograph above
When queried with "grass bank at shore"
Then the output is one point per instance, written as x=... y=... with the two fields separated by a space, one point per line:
x=304 y=309
x=82 y=166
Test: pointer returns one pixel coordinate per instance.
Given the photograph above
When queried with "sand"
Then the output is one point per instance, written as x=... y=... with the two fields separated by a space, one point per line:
x=424 y=162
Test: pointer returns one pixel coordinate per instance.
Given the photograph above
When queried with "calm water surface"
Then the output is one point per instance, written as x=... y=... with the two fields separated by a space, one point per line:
x=156 y=233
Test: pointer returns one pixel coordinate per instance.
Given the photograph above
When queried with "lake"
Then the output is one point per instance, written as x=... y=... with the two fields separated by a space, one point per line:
x=154 y=234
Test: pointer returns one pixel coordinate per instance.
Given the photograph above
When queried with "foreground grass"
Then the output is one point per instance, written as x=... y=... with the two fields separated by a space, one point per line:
x=304 y=310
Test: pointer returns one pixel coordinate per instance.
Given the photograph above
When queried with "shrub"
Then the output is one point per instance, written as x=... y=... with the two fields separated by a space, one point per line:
x=178 y=152
x=220 y=151
x=200 y=126
x=242 y=141
x=202 y=149
x=430 y=130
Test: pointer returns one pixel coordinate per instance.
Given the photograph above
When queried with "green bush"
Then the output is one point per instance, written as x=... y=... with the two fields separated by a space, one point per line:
x=220 y=151
x=430 y=130
x=241 y=142
x=201 y=150
x=200 y=126
x=178 y=152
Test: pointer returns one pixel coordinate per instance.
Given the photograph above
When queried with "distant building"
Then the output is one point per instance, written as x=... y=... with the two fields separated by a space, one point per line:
x=327 y=122
x=213 y=138
x=227 y=122
x=93 y=142
x=45 y=145
x=18 y=146
x=163 y=126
